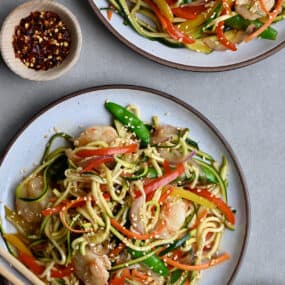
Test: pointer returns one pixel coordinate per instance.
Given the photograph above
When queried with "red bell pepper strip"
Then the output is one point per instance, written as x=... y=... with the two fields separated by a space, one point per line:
x=54 y=210
x=60 y=272
x=222 y=38
x=168 y=177
x=108 y=150
x=32 y=264
x=96 y=162
x=224 y=208
x=172 y=30
x=166 y=166
x=117 y=281
x=189 y=11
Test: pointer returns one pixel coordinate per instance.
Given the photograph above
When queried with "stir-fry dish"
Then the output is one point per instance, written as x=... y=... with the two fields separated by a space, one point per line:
x=131 y=203
x=201 y=25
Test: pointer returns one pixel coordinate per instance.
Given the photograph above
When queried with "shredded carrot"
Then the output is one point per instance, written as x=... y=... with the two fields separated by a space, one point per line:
x=125 y=273
x=197 y=267
x=139 y=275
x=74 y=203
x=271 y=18
x=130 y=234
x=202 y=216
x=117 y=250
x=263 y=7
x=166 y=192
x=109 y=14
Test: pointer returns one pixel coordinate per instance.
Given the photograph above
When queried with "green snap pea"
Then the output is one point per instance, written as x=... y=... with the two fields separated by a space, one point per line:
x=153 y=262
x=129 y=120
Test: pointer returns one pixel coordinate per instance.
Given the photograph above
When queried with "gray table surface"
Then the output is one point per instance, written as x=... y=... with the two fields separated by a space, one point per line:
x=246 y=105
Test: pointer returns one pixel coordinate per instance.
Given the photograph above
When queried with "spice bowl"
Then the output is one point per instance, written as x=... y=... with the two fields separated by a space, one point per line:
x=7 y=34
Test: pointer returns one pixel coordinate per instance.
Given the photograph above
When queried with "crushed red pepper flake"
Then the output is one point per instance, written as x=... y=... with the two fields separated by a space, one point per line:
x=41 y=40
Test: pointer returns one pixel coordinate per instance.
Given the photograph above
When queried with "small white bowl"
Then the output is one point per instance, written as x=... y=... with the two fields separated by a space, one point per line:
x=8 y=30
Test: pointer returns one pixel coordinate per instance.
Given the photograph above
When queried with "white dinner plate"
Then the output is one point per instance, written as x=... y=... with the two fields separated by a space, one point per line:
x=183 y=58
x=77 y=111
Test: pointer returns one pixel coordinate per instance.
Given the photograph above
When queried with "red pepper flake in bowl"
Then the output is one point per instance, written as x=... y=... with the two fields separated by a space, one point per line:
x=41 y=40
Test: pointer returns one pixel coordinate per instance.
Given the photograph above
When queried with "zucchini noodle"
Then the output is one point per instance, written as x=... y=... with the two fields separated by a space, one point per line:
x=127 y=200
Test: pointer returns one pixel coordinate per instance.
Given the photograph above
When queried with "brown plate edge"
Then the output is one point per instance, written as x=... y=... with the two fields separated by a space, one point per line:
x=178 y=65
x=177 y=101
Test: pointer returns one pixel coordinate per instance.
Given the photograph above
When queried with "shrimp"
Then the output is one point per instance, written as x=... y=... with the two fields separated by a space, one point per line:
x=251 y=9
x=163 y=134
x=92 y=268
x=31 y=211
x=213 y=43
x=106 y=134
x=173 y=214
x=171 y=219
x=137 y=214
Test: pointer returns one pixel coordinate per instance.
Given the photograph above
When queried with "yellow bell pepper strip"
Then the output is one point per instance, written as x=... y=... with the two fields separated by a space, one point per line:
x=172 y=30
x=186 y=194
x=164 y=9
x=15 y=241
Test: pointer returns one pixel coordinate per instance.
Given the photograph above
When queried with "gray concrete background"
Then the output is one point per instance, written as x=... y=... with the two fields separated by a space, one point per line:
x=246 y=105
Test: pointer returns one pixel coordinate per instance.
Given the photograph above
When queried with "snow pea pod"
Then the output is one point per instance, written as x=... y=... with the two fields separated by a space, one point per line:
x=129 y=120
x=153 y=262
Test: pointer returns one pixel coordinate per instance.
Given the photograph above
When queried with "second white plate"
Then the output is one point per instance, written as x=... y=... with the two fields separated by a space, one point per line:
x=183 y=58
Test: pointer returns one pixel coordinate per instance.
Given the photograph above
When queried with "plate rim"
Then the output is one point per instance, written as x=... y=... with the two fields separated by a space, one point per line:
x=176 y=100
x=181 y=66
